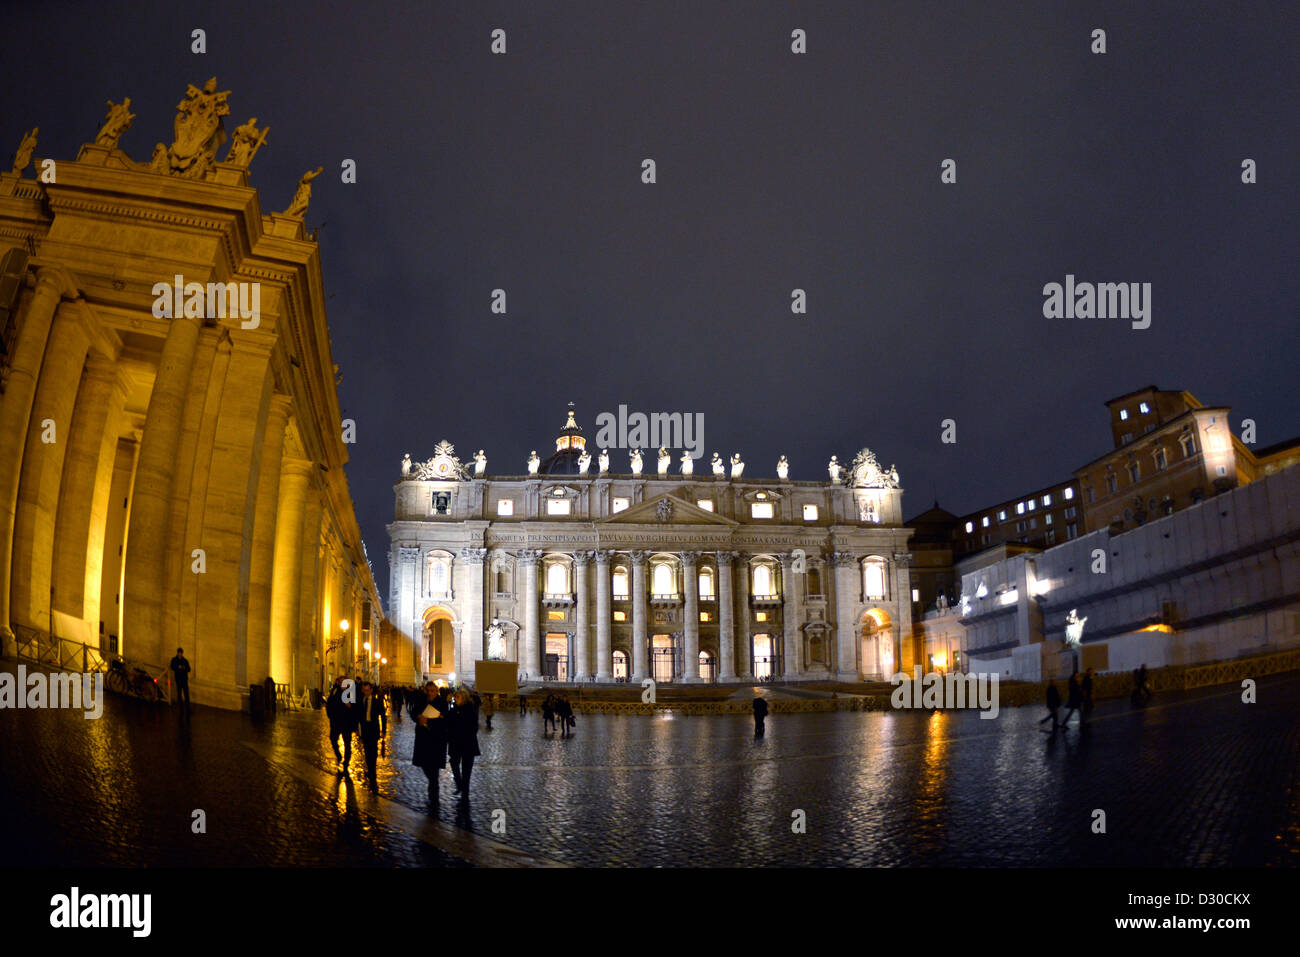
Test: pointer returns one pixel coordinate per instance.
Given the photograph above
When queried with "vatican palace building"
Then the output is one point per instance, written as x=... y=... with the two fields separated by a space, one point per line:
x=581 y=574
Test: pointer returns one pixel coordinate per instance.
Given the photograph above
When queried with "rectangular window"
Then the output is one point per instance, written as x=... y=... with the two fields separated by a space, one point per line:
x=916 y=594
x=1126 y=438
x=1092 y=496
x=1071 y=512
x=1072 y=530
x=760 y=616
x=1033 y=523
x=1143 y=408
x=760 y=510
x=555 y=616
x=1223 y=470
x=1047 y=519
x=620 y=505
x=985 y=522
x=1002 y=515
x=1162 y=460
x=970 y=527
x=1188 y=445
x=1031 y=504
x=1020 y=508
x=1111 y=483
x=1068 y=494
x=505 y=506
x=810 y=513
x=706 y=616
x=706 y=504
x=1020 y=526
x=1047 y=500
x=1133 y=472
x=1123 y=415
x=620 y=616
x=1051 y=536
x=558 y=506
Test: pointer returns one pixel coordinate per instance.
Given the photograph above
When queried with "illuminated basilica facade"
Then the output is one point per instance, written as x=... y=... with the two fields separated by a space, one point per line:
x=580 y=574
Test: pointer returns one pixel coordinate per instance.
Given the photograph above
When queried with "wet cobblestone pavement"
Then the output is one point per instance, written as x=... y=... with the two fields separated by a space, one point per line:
x=1193 y=779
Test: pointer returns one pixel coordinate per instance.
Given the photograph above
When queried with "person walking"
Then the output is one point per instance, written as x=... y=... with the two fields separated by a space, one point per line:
x=523 y=704
x=463 y=739
x=339 y=711
x=1074 y=699
x=430 y=751
x=1141 y=692
x=760 y=715
x=1087 y=695
x=181 y=669
x=548 y=714
x=1053 y=704
x=564 y=712
x=370 y=721
x=488 y=710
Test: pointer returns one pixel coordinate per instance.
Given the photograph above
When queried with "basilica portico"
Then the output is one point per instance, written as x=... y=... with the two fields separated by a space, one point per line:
x=579 y=573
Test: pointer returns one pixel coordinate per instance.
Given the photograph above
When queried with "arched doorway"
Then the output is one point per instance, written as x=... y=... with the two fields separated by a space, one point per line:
x=438 y=649
x=877 y=644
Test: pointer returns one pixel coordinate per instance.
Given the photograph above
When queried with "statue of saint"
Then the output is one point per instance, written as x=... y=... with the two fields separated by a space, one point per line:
x=480 y=463
x=835 y=469
x=116 y=123
x=584 y=462
x=1074 y=627
x=782 y=468
x=248 y=139
x=533 y=462
x=603 y=461
x=893 y=477
x=636 y=461
x=25 y=148
x=737 y=466
x=719 y=467
x=406 y=464
x=303 y=196
x=496 y=642
x=664 y=460
x=688 y=463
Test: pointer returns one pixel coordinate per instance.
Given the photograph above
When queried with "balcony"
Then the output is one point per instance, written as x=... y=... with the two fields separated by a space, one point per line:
x=557 y=599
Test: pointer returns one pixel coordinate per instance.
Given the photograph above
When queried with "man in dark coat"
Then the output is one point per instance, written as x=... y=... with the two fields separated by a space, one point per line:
x=1074 y=699
x=341 y=712
x=1053 y=704
x=760 y=715
x=370 y=721
x=463 y=740
x=181 y=669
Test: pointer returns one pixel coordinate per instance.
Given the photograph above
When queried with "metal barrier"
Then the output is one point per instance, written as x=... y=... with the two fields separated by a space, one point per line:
x=64 y=654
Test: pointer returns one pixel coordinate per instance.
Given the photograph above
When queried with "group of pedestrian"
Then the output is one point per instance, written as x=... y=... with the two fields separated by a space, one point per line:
x=557 y=711
x=363 y=714
x=446 y=726
x=1078 y=699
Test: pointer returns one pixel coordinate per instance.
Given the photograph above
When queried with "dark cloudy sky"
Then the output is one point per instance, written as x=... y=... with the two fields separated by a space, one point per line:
x=775 y=171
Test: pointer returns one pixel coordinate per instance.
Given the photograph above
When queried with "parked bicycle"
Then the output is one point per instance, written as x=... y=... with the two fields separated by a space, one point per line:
x=139 y=683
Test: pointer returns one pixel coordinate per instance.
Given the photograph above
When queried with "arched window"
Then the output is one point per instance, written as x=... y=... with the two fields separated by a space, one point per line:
x=706 y=583
x=662 y=582
x=557 y=579
x=814 y=581
x=706 y=666
x=438 y=574
x=764 y=580
x=620 y=583
x=620 y=665
x=873 y=577
x=503 y=579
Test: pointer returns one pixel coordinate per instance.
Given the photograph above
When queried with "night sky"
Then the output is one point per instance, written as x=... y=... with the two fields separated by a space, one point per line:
x=775 y=171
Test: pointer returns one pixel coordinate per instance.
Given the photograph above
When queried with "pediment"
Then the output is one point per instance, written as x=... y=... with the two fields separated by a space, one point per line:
x=667 y=510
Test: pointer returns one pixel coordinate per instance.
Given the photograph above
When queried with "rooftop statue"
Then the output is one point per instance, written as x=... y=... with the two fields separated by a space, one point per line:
x=737 y=466
x=604 y=461
x=584 y=462
x=406 y=464
x=480 y=463
x=835 y=469
x=664 y=461
x=248 y=139
x=116 y=123
x=688 y=463
x=198 y=130
x=719 y=467
x=25 y=148
x=302 y=197
x=782 y=468
x=533 y=462
x=636 y=461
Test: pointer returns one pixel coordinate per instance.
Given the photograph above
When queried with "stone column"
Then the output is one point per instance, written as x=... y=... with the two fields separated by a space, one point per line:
x=82 y=515
x=604 y=653
x=15 y=413
x=48 y=435
x=640 y=613
x=847 y=587
x=745 y=649
x=262 y=568
x=286 y=574
x=531 y=665
x=470 y=649
x=726 y=627
x=691 y=617
x=792 y=619
x=145 y=556
x=582 y=640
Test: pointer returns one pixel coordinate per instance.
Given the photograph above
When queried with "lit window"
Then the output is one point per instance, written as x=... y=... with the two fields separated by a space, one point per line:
x=620 y=504
x=706 y=616
x=706 y=583
x=760 y=616
x=1068 y=494
x=873 y=578
x=557 y=506
x=505 y=506
x=557 y=579
x=1143 y=408
x=1031 y=504
x=662 y=580
x=706 y=504
x=1002 y=515
x=1047 y=500
x=916 y=594
x=760 y=510
x=1123 y=414
x=555 y=616
x=620 y=616
x=439 y=574
x=620 y=583
x=985 y=521
x=1047 y=519
x=1020 y=508
x=810 y=513
x=763 y=580
x=970 y=527
x=620 y=664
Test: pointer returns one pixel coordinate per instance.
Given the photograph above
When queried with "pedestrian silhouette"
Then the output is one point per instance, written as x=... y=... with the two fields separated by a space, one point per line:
x=1074 y=699
x=760 y=715
x=181 y=669
x=1053 y=704
x=370 y=724
x=463 y=740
